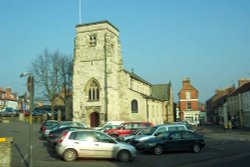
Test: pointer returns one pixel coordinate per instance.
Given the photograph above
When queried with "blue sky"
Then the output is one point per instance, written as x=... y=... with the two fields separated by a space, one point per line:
x=162 y=40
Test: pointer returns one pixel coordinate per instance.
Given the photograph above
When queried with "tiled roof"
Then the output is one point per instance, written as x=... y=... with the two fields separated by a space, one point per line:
x=244 y=88
x=161 y=91
x=136 y=77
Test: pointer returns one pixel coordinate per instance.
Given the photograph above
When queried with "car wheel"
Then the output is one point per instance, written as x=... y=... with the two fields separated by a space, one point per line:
x=124 y=156
x=69 y=155
x=158 y=150
x=196 y=148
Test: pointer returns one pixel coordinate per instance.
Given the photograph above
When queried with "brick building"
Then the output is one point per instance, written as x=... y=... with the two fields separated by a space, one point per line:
x=189 y=102
x=8 y=99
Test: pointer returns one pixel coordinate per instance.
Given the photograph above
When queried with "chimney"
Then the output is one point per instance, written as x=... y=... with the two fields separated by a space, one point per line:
x=8 y=91
x=185 y=81
x=219 y=92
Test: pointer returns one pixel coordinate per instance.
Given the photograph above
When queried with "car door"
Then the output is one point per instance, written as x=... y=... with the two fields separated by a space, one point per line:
x=104 y=145
x=83 y=143
x=159 y=131
x=173 y=142
x=187 y=140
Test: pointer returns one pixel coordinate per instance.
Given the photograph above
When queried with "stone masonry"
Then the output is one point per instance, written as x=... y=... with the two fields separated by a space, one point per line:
x=5 y=151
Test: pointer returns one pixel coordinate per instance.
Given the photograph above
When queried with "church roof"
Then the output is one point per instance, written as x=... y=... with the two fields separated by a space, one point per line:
x=136 y=77
x=158 y=91
x=161 y=91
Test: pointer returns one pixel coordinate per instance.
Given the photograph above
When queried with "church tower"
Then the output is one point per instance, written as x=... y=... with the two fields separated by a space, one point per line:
x=96 y=73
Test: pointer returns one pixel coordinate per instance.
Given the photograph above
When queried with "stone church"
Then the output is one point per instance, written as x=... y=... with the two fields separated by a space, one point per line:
x=104 y=91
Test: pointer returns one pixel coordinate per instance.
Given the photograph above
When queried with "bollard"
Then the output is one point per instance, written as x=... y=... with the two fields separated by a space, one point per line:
x=21 y=116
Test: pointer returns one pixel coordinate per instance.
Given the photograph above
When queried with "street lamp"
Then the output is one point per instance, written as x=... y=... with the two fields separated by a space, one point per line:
x=30 y=87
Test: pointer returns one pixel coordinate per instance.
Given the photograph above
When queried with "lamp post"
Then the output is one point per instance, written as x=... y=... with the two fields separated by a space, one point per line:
x=30 y=87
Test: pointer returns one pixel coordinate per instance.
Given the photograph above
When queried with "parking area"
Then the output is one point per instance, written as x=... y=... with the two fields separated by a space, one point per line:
x=218 y=145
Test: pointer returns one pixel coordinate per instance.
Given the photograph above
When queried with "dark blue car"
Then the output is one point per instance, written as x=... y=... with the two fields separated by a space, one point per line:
x=173 y=140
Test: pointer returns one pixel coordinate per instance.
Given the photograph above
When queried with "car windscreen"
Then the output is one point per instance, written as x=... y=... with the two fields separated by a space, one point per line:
x=51 y=123
x=150 y=131
x=164 y=134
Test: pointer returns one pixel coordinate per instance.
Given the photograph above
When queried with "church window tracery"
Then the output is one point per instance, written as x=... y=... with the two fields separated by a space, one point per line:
x=94 y=93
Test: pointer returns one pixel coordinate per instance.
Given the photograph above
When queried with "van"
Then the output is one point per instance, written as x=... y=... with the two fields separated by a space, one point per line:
x=156 y=130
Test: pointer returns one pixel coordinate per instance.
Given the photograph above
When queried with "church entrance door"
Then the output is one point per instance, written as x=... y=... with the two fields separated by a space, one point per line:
x=94 y=119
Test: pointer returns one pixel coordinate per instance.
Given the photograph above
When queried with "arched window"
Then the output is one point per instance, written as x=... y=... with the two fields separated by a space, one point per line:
x=93 y=91
x=134 y=106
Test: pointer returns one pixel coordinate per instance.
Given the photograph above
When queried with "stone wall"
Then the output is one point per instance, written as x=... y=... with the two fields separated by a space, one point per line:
x=5 y=151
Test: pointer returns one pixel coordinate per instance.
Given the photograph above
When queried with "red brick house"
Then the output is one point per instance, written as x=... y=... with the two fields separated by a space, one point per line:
x=8 y=99
x=189 y=103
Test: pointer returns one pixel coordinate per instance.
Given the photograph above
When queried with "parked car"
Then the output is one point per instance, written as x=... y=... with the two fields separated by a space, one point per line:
x=48 y=124
x=127 y=138
x=93 y=144
x=155 y=131
x=187 y=124
x=45 y=133
x=38 y=112
x=25 y=112
x=127 y=128
x=109 y=125
x=7 y=114
x=173 y=140
x=17 y=111
x=54 y=135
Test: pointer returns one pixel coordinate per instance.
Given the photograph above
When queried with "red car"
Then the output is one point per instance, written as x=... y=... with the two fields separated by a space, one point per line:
x=127 y=128
x=25 y=112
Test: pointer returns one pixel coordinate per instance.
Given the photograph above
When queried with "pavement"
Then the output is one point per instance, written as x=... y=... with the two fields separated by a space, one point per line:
x=218 y=132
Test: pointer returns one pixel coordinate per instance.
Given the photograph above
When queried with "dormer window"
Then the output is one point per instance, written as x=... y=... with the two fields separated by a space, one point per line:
x=92 y=40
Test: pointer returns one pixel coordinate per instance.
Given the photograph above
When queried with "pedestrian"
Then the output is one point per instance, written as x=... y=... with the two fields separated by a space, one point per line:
x=230 y=126
x=225 y=126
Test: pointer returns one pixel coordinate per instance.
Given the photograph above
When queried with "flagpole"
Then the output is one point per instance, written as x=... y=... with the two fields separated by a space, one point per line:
x=80 y=11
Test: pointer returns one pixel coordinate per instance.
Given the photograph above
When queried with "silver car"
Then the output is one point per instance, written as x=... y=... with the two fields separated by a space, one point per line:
x=93 y=144
x=155 y=131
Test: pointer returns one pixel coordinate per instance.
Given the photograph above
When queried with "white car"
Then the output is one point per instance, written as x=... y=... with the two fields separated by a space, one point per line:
x=93 y=144
x=109 y=125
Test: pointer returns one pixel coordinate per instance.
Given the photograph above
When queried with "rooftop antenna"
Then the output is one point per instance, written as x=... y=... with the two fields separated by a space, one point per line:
x=80 y=11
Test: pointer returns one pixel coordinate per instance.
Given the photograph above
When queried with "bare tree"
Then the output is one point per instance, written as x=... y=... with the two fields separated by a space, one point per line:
x=46 y=71
x=66 y=69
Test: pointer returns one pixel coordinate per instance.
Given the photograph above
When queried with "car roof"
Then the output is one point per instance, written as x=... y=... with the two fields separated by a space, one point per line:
x=175 y=124
x=137 y=122
x=86 y=129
